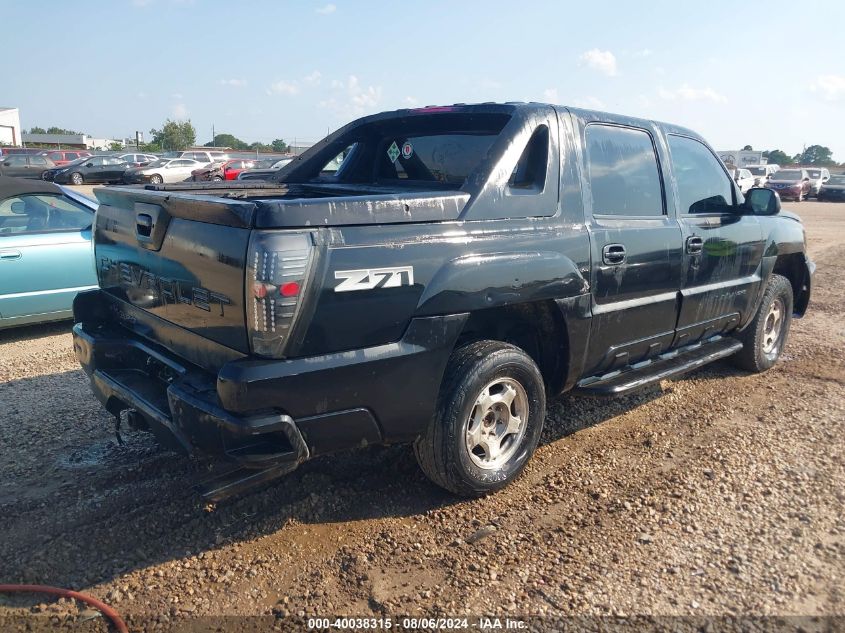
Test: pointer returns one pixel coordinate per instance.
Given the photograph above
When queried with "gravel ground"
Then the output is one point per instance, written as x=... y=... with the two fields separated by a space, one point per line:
x=719 y=494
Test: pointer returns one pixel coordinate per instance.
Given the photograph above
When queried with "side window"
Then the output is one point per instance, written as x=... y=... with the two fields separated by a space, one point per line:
x=41 y=214
x=97 y=161
x=71 y=155
x=622 y=166
x=529 y=175
x=40 y=161
x=56 y=156
x=703 y=186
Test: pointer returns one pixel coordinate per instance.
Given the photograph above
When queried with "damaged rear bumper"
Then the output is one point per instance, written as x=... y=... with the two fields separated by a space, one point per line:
x=178 y=402
x=267 y=415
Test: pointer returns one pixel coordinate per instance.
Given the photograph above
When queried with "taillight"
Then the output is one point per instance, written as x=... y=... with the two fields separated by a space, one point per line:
x=277 y=275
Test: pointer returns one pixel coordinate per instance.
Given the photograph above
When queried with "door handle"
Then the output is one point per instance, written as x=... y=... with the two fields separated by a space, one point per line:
x=613 y=254
x=694 y=245
x=9 y=255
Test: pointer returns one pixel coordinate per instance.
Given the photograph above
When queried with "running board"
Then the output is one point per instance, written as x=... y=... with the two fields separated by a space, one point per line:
x=668 y=365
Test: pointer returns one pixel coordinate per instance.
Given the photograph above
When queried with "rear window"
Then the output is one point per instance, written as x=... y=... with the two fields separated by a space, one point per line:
x=443 y=149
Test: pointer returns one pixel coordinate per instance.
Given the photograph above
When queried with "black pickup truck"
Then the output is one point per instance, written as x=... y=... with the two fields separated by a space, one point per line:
x=462 y=264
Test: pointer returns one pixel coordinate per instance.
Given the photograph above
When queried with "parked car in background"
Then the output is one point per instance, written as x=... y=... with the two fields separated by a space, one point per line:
x=45 y=251
x=233 y=167
x=25 y=165
x=204 y=157
x=743 y=178
x=162 y=170
x=818 y=176
x=762 y=173
x=93 y=169
x=212 y=172
x=790 y=183
x=833 y=189
x=138 y=160
x=62 y=157
x=264 y=173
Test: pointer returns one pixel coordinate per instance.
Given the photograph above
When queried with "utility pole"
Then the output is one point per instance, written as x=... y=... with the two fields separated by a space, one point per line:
x=213 y=136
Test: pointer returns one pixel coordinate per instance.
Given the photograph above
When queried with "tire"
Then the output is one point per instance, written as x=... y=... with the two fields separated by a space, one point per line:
x=479 y=379
x=156 y=179
x=764 y=338
x=76 y=178
x=217 y=179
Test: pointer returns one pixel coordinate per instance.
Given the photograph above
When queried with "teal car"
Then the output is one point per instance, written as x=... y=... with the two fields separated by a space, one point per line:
x=46 y=256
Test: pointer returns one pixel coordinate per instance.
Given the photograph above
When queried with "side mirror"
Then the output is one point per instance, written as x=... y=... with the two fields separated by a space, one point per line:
x=19 y=208
x=762 y=202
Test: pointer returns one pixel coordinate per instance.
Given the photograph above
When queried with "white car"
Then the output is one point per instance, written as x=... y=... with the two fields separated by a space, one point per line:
x=744 y=179
x=762 y=173
x=818 y=176
x=162 y=170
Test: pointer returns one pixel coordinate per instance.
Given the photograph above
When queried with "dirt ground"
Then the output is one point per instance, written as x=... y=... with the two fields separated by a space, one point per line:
x=719 y=494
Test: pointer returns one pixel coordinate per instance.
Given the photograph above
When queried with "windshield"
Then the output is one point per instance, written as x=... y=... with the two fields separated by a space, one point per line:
x=757 y=171
x=787 y=174
x=442 y=148
x=837 y=180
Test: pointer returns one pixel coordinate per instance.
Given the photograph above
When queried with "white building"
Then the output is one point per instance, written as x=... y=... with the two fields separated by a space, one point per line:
x=10 y=126
x=80 y=141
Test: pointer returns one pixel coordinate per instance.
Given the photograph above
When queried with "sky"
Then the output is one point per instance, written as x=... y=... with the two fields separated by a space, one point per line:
x=767 y=74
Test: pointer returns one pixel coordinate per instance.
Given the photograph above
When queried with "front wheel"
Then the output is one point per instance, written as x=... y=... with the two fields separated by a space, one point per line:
x=488 y=421
x=156 y=179
x=764 y=338
x=76 y=179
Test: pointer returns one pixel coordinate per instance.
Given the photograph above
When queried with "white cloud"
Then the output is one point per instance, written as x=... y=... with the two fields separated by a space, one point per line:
x=326 y=10
x=830 y=87
x=179 y=111
x=351 y=99
x=283 y=87
x=550 y=95
x=235 y=83
x=410 y=101
x=686 y=92
x=142 y=95
x=177 y=96
x=313 y=78
x=602 y=61
x=645 y=52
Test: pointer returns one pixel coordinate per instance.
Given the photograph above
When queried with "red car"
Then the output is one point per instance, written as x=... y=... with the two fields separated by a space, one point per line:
x=64 y=156
x=231 y=168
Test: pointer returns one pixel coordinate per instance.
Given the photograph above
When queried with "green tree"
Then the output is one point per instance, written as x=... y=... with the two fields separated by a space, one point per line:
x=279 y=145
x=778 y=157
x=115 y=146
x=258 y=146
x=175 y=135
x=150 y=148
x=60 y=130
x=817 y=155
x=747 y=148
x=37 y=130
x=227 y=140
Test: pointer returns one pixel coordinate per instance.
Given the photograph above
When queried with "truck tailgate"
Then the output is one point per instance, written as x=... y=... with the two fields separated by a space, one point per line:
x=181 y=259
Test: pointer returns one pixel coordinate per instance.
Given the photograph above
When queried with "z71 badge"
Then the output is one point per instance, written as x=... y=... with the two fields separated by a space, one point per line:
x=370 y=278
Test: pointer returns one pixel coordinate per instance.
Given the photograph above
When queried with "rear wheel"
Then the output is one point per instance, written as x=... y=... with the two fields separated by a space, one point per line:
x=156 y=179
x=217 y=179
x=76 y=178
x=488 y=420
x=765 y=337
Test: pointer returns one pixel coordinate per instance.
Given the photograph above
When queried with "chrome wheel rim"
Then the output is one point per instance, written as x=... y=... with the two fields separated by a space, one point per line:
x=497 y=423
x=773 y=325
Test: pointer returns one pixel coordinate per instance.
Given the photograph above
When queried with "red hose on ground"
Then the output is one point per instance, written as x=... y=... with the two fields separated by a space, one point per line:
x=110 y=613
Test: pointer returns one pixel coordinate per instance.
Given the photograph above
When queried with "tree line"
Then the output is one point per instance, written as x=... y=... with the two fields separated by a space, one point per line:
x=179 y=135
x=813 y=155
